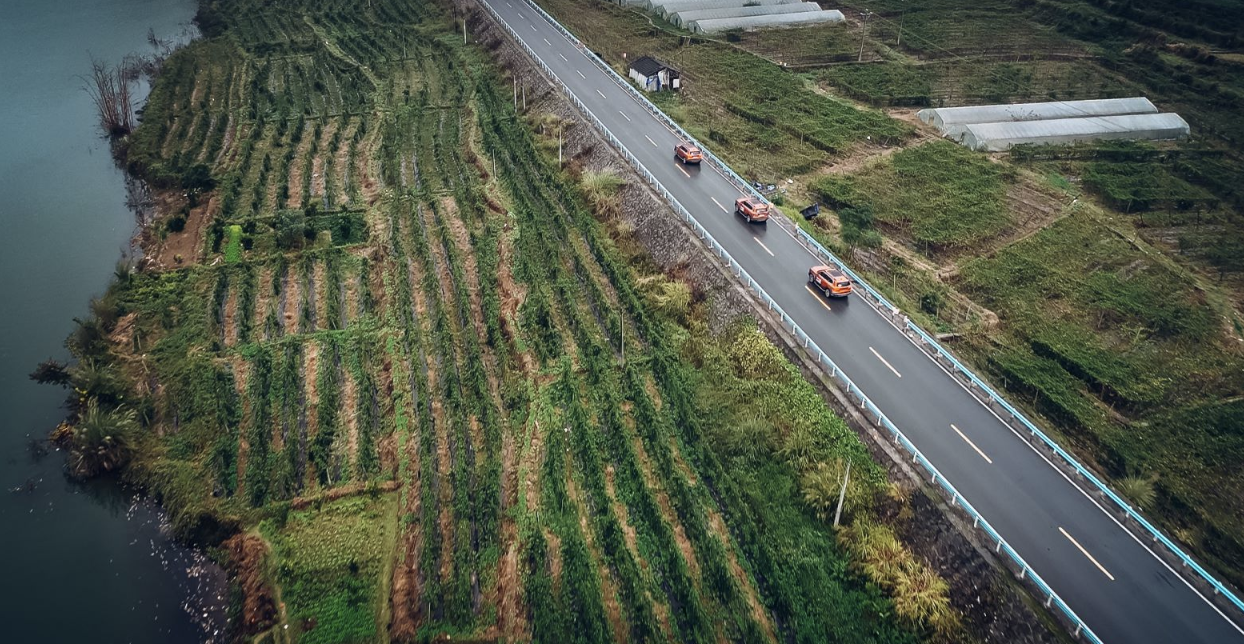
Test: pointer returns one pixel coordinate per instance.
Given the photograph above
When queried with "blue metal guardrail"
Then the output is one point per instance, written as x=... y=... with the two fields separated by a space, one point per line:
x=1024 y=571
x=910 y=327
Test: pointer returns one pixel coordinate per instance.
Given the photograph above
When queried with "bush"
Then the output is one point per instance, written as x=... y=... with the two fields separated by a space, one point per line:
x=291 y=229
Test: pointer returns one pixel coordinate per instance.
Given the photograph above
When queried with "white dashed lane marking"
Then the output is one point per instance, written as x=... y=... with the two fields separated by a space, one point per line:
x=973 y=445
x=885 y=362
x=1086 y=554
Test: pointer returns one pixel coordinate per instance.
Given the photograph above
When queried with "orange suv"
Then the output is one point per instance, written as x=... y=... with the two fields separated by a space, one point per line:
x=688 y=153
x=831 y=281
x=752 y=209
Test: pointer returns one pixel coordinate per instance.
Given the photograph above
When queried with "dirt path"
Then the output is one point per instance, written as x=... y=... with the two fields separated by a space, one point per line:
x=512 y=295
x=659 y=608
x=319 y=281
x=320 y=165
x=263 y=299
x=759 y=614
x=608 y=591
x=229 y=326
x=407 y=593
x=291 y=314
x=555 y=558
x=364 y=168
x=298 y=167
x=241 y=377
x=311 y=365
x=350 y=411
x=507 y=597
x=667 y=509
x=532 y=461
x=341 y=162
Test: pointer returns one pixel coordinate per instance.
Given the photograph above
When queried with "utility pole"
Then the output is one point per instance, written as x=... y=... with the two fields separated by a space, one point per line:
x=524 y=98
x=842 y=495
x=464 y=40
x=863 y=32
x=515 y=93
x=559 y=147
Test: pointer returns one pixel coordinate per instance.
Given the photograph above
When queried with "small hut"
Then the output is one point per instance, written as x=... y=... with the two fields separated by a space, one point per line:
x=653 y=75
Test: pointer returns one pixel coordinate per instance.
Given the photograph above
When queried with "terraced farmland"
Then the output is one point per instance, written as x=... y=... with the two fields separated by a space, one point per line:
x=381 y=338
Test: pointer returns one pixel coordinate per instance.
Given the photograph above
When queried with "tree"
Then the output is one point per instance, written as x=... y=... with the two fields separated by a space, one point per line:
x=291 y=229
x=1227 y=255
x=101 y=440
x=51 y=372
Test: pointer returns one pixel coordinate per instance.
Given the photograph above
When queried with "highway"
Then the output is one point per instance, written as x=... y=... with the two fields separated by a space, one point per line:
x=1104 y=572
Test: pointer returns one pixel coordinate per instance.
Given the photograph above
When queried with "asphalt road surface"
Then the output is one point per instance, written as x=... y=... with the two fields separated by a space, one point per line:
x=1105 y=573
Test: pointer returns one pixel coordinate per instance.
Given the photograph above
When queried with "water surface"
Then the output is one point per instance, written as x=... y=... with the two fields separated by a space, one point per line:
x=81 y=563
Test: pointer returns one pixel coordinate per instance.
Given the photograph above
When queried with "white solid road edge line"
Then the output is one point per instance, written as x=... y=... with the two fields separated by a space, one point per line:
x=969 y=442
x=884 y=361
x=1103 y=510
x=1086 y=553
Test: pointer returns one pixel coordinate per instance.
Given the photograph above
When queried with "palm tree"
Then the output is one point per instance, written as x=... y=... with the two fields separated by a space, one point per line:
x=1139 y=489
x=101 y=440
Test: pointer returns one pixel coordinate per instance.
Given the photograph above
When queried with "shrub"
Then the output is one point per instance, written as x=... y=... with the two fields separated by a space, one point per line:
x=291 y=229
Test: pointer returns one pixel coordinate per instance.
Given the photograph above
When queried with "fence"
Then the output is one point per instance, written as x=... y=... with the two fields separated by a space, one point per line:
x=915 y=332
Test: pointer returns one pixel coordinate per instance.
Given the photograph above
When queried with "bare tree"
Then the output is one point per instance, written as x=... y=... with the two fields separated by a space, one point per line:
x=110 y=90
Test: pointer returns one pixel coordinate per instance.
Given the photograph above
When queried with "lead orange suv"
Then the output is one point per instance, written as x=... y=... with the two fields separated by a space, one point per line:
x=688 y=153
x=831 y=281
x=752 y=209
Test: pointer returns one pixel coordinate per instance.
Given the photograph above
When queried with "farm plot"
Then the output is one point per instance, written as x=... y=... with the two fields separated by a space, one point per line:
x=420 y=400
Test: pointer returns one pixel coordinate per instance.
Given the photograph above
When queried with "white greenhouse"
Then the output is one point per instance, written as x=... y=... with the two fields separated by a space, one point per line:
x=681 y=18
x=999 y=136
x=666 y=7
x=709 y=26
x=944 y=117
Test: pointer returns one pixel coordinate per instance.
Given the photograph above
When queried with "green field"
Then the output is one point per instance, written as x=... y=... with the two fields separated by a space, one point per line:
x=395 y=360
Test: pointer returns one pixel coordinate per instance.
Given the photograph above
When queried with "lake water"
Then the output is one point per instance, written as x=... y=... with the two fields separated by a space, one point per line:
x=81 y=563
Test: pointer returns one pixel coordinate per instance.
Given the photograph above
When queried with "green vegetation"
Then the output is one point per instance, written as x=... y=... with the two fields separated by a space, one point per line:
x=1142 y=186
x=1098 y=284
x=332 y=561
x=938 y=195
x=404 y=373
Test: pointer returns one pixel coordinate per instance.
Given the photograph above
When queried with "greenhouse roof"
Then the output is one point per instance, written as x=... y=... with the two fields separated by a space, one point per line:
x=943 y=117
x=771 y=20
x=996 y=137
x=685 y=16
